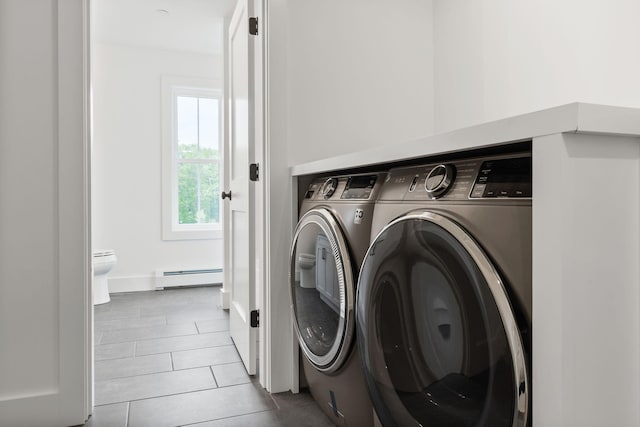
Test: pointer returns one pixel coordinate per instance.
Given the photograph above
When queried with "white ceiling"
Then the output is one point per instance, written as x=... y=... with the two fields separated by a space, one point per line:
x=189 y=25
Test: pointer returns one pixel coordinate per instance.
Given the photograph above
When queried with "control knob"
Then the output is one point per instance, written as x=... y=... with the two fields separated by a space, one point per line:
x=329 y=187
x=439 y=180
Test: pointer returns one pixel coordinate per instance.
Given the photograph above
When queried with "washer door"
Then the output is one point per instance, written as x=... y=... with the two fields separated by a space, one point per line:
x=322 y=290
x=437 y=335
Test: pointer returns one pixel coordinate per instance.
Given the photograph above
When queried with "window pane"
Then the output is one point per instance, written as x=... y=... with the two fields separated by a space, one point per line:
x=187 y=123
x=198 y=189
x=208 y=128
x=210 y=192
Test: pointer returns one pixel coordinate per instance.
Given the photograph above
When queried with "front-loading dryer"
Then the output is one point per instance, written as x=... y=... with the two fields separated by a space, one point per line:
x=329 y=243
x=444 y=294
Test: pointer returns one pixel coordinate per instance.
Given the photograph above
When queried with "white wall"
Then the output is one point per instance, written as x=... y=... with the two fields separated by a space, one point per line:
x=342 y=77
x=360 y=75
x=127 y=160
x=499 y=58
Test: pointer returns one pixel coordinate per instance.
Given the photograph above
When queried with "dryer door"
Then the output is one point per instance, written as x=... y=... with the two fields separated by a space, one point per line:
x=437 y=335
x=322 y=290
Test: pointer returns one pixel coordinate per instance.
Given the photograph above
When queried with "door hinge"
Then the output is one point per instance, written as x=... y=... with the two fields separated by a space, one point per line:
x=255 y=318
x=254 y=172
x=253 y=25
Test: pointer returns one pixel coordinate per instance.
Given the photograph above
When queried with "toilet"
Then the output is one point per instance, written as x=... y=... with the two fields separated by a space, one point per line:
x=103 y=262
x=307 y=263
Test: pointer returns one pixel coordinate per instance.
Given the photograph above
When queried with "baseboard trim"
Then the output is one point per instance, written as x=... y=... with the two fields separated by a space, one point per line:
x=151 y=283
x=210 y=277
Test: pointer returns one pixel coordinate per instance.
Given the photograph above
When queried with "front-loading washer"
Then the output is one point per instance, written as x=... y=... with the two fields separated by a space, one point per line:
x=329 y=243
x=444 y=294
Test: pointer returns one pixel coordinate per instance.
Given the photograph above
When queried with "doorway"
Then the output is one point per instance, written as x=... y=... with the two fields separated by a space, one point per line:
x=157 y=86
x=157 y=71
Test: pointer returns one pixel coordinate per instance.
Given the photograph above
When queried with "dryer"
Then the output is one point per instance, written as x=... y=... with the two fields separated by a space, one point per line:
x=329 y=243
x=444 y=294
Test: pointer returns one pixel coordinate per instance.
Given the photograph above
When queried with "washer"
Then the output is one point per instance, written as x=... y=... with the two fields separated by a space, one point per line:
x=444 y=294
x=329 y=243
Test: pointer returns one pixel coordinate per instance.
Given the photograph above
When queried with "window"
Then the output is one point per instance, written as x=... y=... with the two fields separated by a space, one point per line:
x=191 y=161
x=196 y=151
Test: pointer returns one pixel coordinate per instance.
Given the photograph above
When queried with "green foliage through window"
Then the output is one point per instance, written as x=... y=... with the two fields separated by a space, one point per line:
x=198 y=171
x=198 y=190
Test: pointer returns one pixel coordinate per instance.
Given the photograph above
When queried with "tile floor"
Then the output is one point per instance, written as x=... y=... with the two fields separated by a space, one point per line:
x=165 y=358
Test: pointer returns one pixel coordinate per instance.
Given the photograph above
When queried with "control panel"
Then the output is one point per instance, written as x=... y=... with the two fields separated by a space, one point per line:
x=476 y=178
x=345 y=188
x=359 y=187
x=503 y=178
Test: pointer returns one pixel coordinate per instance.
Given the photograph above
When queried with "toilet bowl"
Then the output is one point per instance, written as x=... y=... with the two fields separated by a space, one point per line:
x=307 y=263
x=103 y=262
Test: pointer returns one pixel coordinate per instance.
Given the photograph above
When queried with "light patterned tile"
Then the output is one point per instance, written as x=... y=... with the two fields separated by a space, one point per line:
x=189 y=342
x=109 y=415
x=131 y=366
x=117 y=313
x=214 y=325
x=153 y=385
x=205 y=357
x=257 y=419
x=200 y=406
x=149 y=332
x=230 y=374
x=196 y=315
x=114 y=351
x=115 y=324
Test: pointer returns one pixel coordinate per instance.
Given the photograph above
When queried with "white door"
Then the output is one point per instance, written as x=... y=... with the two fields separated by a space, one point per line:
x=45 y=259
x=240 y=221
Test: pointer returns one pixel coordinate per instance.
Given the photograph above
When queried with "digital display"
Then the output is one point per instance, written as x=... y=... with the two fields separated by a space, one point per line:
x=367 y=181
x=359 y=187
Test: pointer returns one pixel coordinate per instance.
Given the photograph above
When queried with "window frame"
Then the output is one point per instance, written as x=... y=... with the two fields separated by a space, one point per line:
x=172 y=88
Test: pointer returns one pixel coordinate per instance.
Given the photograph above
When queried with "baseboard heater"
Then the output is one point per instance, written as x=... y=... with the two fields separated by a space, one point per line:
x=169 y=279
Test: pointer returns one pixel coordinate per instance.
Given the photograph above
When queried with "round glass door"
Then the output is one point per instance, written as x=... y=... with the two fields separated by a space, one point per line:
x=322 y=290
x=437 y=334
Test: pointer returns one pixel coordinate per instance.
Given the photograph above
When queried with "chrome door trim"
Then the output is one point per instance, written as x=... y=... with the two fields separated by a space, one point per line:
x=338 y=353
x=496 y=286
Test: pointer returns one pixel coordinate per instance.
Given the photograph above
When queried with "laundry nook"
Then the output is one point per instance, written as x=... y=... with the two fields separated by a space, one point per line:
x=485 y=294
x=289 y=213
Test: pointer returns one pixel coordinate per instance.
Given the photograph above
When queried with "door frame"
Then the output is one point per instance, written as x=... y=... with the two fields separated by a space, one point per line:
x=258 y=8
x=277 y=348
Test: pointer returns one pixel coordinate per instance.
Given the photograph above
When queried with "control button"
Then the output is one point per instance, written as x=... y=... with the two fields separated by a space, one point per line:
x=521 y=189
x=413 y=184
x=439 y=180
x=478 y=190
x=490 y=192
